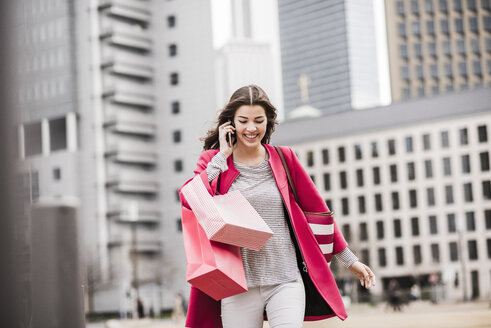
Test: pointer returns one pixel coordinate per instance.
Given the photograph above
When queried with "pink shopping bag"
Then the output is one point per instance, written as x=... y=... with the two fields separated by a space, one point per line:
x=214 y=268
x=228 y=218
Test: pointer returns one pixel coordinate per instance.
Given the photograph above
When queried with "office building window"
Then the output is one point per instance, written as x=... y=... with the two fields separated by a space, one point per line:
x=466 y=163
x=411 y=173
x=418 y=52
x=361 y=204
x=463 y=136
x=176 y=136
x=459 y=25
x=414 y=7
x=435 y=89
x=341 y=154
x=391 y=144
x=399 y=256
x=174 y=79
x=406 y=93
x=475 y=47
x=56 y=173
x=57 y=134
x=172 y=50
x=393 y=173
x=486 y=22
x=433 y=225
x=484 y=159
x=176 y=107
x=327 y=181
x=460 y=44
x=472 y=247
x=471 y=5
x=449 y=73
x=179 y=225
x=473 y=25
x=446 y=50
x=346 y=228
x=419 y=72
x=444 y=139
x=32 y=138
x=486 y=189
x=482 y=133
x=454 y=253
x=401 y=28
x=447 y=169
x=400 y=8
x=176 y=195
x=415 y=226
x=470 y=221
x=488 y=63
x=413 y=201
x=178 y=167
x=310 y=158
x=378 y=203
x=365 y=256
x=430 y=27
x=358 y=153
x=442 y=4
x=476 y=68
x=403 y=51
x=421 y=91
x=429 y=7
x=359 y=177
x=435 y=253
x=344 y=205
x=376 y=175
x=382 y=261
x=325 y=156
x=409 y=144
x=451 y=224
x=444 y=27
x=426 y=142
x=432 y=49
x=428 y=168
x=397 y=228
x=487 y=218
x=434 y=71
x=405 y=73
x=328 y=203
x=486 y=4
x=171 y=21
x=417 y=254
x=488 y=242
x=449 y=194
x=343 y=180
x=363 y=231
x=395 y=200
x=312 y=177
x=430 y=193
x=374 y=150
x=463 y=69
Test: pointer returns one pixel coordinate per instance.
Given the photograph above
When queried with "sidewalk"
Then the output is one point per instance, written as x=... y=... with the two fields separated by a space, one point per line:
x=416 y=315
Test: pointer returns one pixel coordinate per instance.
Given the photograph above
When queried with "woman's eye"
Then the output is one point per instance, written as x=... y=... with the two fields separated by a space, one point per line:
x=242 y=122
x=259 y=122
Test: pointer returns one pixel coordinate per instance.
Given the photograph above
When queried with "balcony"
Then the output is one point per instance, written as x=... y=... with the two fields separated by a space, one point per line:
x=128 y=37
x=128 y=127
x=130 y=95
x=142 y=246
x=137 y=11
x=146 y=213
x=132 y=155
x=134 y=183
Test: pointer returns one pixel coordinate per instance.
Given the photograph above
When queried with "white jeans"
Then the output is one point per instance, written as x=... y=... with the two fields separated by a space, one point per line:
x=284 y=304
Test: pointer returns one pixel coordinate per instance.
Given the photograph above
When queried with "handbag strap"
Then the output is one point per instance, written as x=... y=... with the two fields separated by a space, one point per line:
x=287 y=171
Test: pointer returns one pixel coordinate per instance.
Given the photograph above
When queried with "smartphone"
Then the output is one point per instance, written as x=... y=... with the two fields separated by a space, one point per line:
x=229 y=138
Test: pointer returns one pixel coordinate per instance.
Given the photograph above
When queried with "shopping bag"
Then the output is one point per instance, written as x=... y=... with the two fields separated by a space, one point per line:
x=214 y=268
x=228 y=218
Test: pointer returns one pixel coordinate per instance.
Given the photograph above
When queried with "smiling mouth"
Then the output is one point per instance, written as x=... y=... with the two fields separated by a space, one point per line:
x=251 y=137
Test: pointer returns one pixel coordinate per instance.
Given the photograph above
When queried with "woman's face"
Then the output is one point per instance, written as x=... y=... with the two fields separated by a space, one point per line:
x=250 y=125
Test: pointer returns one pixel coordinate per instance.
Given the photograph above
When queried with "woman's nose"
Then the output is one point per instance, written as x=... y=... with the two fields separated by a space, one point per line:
x=251 y=127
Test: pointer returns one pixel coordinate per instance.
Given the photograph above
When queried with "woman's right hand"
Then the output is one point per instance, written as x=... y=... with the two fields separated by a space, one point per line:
x=222 y=138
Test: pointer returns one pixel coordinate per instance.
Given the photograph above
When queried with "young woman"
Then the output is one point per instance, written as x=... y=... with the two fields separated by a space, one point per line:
x=289 y=279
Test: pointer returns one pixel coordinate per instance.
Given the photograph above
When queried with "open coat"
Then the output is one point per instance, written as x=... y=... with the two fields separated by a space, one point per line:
x=322 y=295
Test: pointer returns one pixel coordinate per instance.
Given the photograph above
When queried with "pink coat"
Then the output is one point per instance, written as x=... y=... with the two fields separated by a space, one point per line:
x=322 y=295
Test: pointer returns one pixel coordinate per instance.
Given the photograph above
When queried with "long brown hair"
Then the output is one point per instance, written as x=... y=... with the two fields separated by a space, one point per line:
x=248 y=95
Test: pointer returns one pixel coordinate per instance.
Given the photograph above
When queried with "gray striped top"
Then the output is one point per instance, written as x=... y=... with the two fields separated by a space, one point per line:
x=276 y=262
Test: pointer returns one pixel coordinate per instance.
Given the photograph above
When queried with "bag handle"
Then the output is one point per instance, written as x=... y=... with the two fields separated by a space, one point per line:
x=287 y=171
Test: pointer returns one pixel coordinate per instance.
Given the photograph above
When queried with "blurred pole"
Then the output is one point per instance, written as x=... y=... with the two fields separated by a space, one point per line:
x=462 y=264
x=56 y=284
x=9 y=271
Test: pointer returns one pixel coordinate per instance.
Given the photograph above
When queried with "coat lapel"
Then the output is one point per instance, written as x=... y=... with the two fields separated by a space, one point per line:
x=279 y=174
x=228 y=177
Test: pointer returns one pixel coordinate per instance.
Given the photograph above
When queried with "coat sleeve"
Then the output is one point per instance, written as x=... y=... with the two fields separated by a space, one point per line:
x=309 y=198
x=200 y=169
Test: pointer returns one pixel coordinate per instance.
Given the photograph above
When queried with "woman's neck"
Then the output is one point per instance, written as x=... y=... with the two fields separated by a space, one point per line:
x=249 y=156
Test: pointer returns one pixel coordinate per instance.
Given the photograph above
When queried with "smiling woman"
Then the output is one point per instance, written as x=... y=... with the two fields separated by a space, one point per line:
x=289 y=279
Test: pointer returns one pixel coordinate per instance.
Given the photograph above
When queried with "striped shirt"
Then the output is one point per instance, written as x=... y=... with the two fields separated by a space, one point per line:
x=276 y=262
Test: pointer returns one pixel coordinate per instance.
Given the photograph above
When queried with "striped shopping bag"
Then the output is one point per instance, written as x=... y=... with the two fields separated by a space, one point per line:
x=228 y=218
x=321 y=223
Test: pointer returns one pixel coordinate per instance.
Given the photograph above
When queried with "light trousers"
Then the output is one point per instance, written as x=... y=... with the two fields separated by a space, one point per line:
x=284 y=305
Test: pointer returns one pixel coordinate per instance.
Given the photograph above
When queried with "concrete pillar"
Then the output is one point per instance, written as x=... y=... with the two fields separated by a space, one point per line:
x=21 y=140
x=71 y=131
x=45 y=140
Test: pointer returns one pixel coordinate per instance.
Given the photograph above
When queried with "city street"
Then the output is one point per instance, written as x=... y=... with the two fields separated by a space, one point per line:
x=419 y=315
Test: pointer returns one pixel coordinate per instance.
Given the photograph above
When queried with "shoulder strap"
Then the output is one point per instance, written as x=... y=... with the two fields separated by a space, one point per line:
x=287 y=171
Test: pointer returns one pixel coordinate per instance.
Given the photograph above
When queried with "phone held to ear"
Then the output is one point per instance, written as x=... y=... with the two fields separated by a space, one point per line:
x=230 y=141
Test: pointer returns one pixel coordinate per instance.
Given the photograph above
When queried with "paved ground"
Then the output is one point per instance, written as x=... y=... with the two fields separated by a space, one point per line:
x=417 y=315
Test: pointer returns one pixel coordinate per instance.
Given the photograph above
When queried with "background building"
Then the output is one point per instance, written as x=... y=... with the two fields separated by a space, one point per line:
x=329 y=55
x=410 y=188
x=438 y=46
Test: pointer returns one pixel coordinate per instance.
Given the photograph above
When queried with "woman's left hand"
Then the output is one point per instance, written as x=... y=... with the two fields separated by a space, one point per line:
x=363 y=272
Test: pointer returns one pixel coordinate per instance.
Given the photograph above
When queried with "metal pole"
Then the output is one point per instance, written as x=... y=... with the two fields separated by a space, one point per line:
x=462 y=263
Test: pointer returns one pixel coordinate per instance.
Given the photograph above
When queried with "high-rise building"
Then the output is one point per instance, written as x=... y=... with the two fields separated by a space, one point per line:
x=114 y=96
x=329 y=54
x=438 y=46
x=410 y=188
